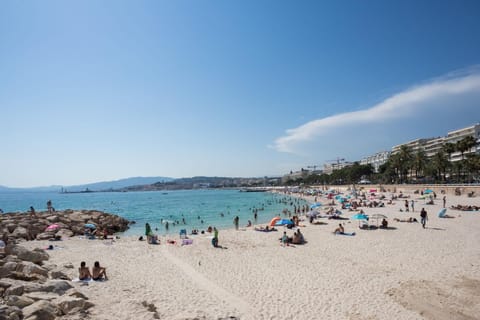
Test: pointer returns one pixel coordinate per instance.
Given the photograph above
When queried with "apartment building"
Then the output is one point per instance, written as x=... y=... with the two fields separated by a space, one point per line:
x=376 y=160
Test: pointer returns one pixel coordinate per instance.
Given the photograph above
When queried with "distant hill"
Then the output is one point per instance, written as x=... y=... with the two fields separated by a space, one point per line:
x=96 y=186
x=117 y=184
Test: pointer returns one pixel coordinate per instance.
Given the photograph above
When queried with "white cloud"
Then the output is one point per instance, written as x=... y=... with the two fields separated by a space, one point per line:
x=455 y=88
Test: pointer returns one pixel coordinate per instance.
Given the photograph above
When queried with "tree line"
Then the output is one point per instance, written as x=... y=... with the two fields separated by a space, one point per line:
x=407 y=166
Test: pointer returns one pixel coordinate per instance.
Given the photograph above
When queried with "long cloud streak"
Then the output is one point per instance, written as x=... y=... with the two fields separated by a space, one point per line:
x=400 y=105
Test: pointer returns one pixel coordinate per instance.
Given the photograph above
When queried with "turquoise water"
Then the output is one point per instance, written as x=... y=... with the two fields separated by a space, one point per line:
x=194 y=206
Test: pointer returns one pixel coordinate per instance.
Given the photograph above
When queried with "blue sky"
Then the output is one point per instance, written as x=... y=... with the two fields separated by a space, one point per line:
x=103 y=90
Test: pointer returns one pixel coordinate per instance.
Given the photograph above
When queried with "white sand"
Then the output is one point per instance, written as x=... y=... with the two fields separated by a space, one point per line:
x=407 y=273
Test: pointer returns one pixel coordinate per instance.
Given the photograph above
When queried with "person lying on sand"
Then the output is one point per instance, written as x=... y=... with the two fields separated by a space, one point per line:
x=265 y=229
x=406 y=220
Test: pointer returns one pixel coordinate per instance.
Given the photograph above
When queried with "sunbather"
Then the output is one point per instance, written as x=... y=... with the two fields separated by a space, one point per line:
x=84 y=272
x=406 y=220
x=340 y=229
x=99 y=273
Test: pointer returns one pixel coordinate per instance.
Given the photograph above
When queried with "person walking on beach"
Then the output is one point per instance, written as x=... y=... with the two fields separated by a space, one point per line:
x=423 y=217
x=236 y=221
x=215 y=237
x=412 y=205
x=444 y=201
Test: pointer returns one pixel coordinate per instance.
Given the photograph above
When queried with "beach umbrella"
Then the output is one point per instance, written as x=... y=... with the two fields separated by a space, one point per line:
x=52 y=227
x=315 y=205
x=273 y=221
x=90 y=226
x=378 y=216
x=373 y=190
x=283 y=222
x=359 y=217
x=428 y=191
x=442 y=212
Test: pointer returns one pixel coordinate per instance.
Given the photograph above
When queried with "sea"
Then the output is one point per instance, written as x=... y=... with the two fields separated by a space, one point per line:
x=182 y=209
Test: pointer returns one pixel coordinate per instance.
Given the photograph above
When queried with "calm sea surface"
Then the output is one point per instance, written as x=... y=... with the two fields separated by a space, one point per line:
x=199 y=208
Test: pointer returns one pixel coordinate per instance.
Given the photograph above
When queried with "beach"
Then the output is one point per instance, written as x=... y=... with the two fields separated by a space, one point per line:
x=405 y=272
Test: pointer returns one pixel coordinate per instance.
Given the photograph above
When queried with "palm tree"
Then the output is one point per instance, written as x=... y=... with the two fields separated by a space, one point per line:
x=405 y=159
x=419 y=162
x=440 y=164
x=466 y=144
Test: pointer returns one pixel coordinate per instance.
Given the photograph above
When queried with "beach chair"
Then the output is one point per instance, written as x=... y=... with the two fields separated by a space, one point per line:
x=183 y=234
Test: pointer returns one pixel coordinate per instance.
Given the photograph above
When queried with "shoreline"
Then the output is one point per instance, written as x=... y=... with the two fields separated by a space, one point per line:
x=407 y=272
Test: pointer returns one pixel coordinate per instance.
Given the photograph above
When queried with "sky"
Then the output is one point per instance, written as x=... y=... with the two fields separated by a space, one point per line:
x=103 y=90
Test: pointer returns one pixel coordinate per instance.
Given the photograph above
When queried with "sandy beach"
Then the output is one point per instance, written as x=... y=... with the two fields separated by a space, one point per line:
x=406 y=272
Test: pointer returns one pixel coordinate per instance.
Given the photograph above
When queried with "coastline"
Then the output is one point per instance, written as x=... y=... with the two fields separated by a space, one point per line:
x=405 y=273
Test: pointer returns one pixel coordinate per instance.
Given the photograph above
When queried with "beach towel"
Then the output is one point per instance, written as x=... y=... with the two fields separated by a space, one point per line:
x=88 y=280
x=345 y=233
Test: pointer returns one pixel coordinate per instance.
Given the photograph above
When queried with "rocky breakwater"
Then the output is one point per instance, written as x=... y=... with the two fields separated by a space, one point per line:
x=68 y=223
x=32 y=289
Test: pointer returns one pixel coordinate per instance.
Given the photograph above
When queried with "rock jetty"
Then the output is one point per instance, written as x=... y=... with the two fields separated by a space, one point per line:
x=16 y=227
x=32 y=289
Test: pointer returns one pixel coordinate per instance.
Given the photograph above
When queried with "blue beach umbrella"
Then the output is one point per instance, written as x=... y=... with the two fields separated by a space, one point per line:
x=442 y=213
x=283 y=222
x=359 y=216
x=428 y=191
x=90 y=226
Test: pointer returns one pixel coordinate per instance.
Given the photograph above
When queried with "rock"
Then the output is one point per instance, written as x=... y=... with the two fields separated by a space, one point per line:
x=35 y=256
x=41 y=310
x=31 y=269
x=57 y=286
x=5 y=284
x=58 y=274
x=65 y=233
x=11 y=227
x=7 y=269
x=19 y=301
x=53 y=219
x=45 y=236
x=18 y=275
x=10 y=313
x=15 y=290
x=38 y=295
x=74 y=293
x=68 y=265
x=21 y=232
x=67 y=304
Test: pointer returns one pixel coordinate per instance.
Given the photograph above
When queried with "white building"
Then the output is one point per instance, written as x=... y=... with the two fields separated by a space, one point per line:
x=457 y=135
x=376 y=160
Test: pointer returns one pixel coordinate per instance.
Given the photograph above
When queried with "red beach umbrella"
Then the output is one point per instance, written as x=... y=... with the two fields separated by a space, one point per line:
x=274 y=220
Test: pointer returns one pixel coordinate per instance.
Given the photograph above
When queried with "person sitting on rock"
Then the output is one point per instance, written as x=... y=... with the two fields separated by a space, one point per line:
x=84 y=272
x=99 y=273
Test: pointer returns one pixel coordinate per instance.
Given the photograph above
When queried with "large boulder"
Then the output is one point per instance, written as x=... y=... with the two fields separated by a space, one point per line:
x=69 y=304
x=10 y=313
x=56 y=286
x=19 y=301
x=41 y=310
x=45 y=235
x=36 y=255
x=15 y=290
x=64 y=233
x=31 y=269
